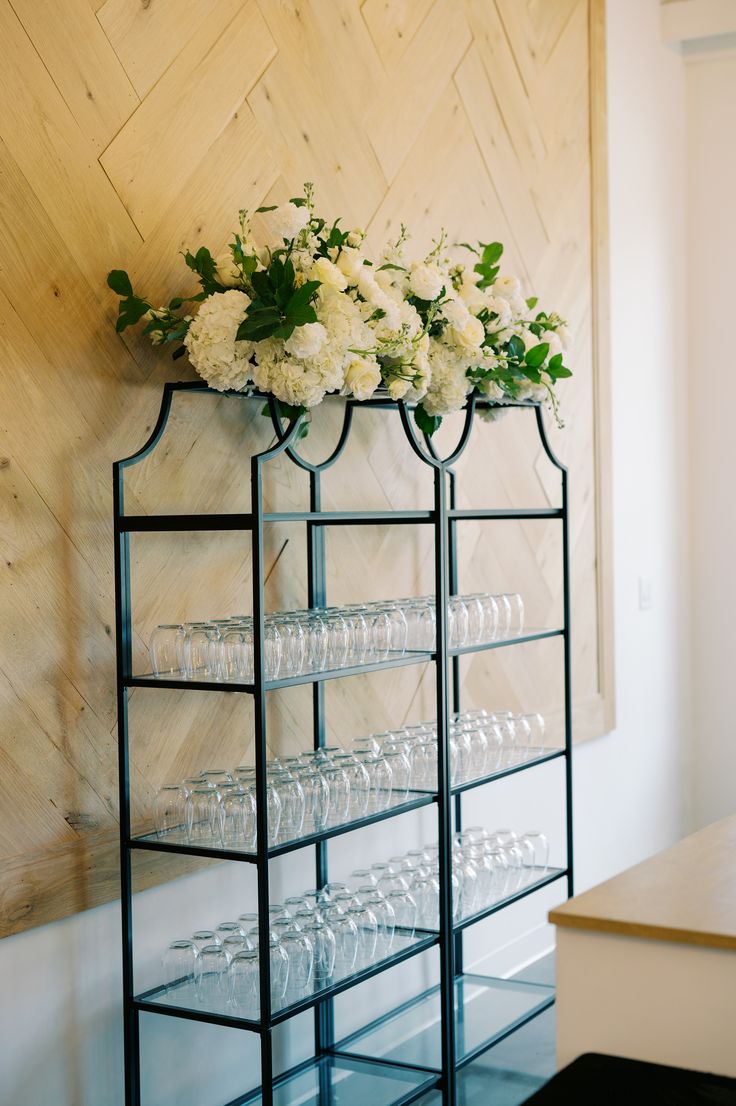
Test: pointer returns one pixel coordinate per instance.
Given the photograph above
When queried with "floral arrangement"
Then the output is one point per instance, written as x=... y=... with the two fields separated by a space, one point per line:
x=312 y=314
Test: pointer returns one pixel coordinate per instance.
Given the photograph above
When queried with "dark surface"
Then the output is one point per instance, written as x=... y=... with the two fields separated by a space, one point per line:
x=611 y=1080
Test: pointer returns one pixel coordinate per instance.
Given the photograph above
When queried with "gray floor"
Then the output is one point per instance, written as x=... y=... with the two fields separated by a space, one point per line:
x=513 y=1069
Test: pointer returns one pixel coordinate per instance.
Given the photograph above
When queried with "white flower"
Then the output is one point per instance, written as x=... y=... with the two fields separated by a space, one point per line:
x=362 y=377
x=397 y=389
x=555 y=345
x=471 y=335
x=456 y=313
x=296 y=385
x=306 y=340
x=491 y=390
x=502 y=309
x=426 y=281
x=563 y=333
x=289 y=219
x=356 y=236
x=211 y=344
x=228 y=273
x=327 y=273
x=449 y=384
x=507 y=287
x=350 y=263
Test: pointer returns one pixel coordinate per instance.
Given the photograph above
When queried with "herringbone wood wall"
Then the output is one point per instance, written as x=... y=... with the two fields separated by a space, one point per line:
x=132 y=128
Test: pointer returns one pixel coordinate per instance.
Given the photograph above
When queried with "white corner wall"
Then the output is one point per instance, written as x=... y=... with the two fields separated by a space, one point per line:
x=59 y=1007
x=711 y=254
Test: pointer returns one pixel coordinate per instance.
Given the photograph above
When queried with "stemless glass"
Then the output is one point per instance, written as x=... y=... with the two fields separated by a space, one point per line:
x=359 y=638
x=366 y=924
x=204 y=937
x=298 y=948
x=244 y=981
x=516 y=620
x=200 y=651
x=202 y=816
x=359 y=782
x=397 y=759
x=338 y=784
x=165 y=648
x=316 y=800
x=238 y=819
x=346 y=942
x=386 y=919
x=236 y=655
x=211 y=976
x=379 y=774
x=316 y=644
x=405 y=911
x=474 y=607
x=491 y=616
x=537 y=729
x=457 y=616
x=535 y=851
x=323 y=945
x=179 y=963
x=293 y=645
x=170 y=811
x=338 y=639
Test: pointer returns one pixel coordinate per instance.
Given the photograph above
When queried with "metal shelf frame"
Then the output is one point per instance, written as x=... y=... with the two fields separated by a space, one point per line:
x=444 y=518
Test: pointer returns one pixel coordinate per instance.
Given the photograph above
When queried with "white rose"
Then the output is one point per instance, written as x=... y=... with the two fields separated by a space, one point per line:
x=555 y=345
x=228 y=273
x=327 y=273
x=288 y=220
x=306 y=340
x=350 y=263
x=426 y=281
x=469 y=336
x=356 y=236
x=456 y=313
x=502 y=309
x=397 y=389
x=362 y=377
x=508 y=287
x=491 y=390
x=564 y=335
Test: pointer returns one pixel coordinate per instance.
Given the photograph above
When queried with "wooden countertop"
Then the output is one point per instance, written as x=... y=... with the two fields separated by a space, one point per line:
x=685 y=894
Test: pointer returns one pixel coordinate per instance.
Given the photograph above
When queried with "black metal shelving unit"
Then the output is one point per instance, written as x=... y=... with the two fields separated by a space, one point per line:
x=466 y=1014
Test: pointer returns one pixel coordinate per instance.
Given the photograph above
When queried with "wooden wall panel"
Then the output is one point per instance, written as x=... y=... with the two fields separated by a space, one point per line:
x=131 y=130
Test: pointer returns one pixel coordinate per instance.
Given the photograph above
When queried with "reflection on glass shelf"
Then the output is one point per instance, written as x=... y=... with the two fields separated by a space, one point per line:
x=343 y=1081
x=185 y=995
x=485 y=1010
x=520 y=882
x=511 y=760
x=396 y=804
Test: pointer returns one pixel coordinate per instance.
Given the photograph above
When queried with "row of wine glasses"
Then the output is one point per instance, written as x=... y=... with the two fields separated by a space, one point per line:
x=323 y=935
x=331 y=786
x=328 y=638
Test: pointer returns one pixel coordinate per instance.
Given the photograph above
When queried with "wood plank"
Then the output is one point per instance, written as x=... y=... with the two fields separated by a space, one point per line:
x=52 y=152
x=418 y=84
x=148 y=37
x=686 y=894
x=200 y=93
x=82 y=63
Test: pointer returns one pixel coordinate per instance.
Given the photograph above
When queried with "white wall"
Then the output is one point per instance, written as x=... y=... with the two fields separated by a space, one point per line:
x=711 y=80
x=59 y=1008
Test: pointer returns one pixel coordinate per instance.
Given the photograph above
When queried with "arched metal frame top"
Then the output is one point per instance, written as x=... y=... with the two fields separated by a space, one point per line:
x=287 y=434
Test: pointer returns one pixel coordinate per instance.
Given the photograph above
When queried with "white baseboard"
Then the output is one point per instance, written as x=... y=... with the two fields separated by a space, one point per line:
x=516 y=954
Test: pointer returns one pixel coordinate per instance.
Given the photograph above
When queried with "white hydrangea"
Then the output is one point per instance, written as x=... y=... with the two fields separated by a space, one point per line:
x=288 y=220
x=449 y=384
x=306 y=340
x=211 y=344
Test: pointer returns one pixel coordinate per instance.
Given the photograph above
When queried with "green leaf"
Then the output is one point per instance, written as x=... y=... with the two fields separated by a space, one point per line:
x=301 y=297
x=532 y=302
x=491 y=252
x=178 y=353
x=467 y=246
x=555 y=363
x=515 y=348
x=176 y=303
x=119 y=281
x=271 y=207
x=398 y=268
x=561 y=373
x=428 y=424
x=535 y=357
x=298 y=201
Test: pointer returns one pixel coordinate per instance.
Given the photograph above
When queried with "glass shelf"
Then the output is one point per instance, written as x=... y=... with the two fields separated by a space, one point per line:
x=181 y=1000
x=397 y=660
x=531 y=883
x=343 y=1081
x=486 y=1010
x=508 y=767
x=176 y=840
